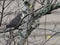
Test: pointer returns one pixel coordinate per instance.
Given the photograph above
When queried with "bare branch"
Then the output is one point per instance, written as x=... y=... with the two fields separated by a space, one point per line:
x=51 y=37
x=2 y=12
x=8 y=4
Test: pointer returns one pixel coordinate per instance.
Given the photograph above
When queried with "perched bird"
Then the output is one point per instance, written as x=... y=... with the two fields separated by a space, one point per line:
x=14 y=22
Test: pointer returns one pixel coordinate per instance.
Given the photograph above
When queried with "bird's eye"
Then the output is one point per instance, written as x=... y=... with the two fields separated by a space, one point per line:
x=26 y=3
x=23 y=0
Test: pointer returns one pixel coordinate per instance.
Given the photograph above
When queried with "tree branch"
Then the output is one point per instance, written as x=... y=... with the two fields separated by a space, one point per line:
x=41 y=12
x=2 y=12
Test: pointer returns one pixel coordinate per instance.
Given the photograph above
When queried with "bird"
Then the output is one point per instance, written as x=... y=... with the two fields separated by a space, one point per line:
x=14 y=21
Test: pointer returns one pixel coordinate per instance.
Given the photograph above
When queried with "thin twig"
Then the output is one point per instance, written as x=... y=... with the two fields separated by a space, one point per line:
x=2 y=12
